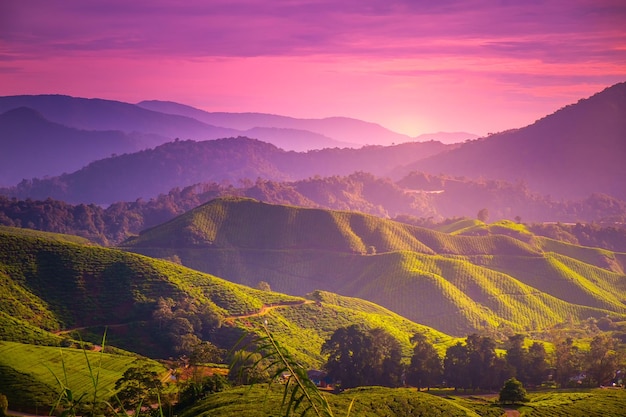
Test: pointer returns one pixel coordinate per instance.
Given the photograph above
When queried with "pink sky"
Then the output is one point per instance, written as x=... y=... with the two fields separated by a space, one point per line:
x=413 y=66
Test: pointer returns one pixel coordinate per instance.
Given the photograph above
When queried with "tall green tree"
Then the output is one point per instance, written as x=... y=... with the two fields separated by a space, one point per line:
x=568 y=361
x=517 y=357
x=426 y=368
x=386 y=361
x=537 y=369
x=455 y=366
x=481 y=352
x=358 y=357
x=602 y=360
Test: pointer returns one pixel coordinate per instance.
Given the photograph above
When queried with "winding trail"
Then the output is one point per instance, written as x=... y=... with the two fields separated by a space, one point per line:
x=266 y=308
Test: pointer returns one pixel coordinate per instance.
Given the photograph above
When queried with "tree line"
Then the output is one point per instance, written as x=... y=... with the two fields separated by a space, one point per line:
x=359 y=357
x=358 y=192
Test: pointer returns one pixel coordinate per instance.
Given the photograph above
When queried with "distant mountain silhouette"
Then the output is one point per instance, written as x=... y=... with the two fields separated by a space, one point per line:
x=295 y=139
x=98 y=114
x=341 y=129
x=33 y=146
x=572 y=153
x=181 y=163
x=163 y=122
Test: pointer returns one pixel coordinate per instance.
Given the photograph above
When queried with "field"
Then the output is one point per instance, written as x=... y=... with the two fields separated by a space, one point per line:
x=377 y=401
x=29 y=373
x=580 y=403
x=476 y=277
x=368 y=402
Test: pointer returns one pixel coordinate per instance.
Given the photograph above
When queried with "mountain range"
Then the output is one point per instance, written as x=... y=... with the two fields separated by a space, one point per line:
x=166 y=121
x=576 y=151
x=571 y=154
x=147 y=173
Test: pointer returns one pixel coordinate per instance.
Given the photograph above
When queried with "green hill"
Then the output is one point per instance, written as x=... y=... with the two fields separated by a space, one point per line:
x=366 y=402
x=28 y=373
x=477 y=276
x=54 y=289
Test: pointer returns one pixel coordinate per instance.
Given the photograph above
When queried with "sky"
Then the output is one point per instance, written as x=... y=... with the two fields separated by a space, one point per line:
x=414 y=66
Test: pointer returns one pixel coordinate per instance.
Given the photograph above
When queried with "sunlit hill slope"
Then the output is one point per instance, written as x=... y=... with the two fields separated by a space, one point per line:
x=472 y=278
x=51 y=284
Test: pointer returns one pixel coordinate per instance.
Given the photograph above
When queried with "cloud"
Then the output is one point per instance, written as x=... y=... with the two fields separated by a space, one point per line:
x=400 y=59
x=271 y=28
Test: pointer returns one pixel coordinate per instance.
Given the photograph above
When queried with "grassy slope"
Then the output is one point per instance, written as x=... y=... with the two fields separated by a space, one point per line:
x=53 y=284
x=30 y=372
x=376 y=401
x=579 y=403
x=476 y=276
x=315 y=322
x=368 y=402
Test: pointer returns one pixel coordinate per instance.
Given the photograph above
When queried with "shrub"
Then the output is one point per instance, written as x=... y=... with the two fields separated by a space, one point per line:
x=513 y=392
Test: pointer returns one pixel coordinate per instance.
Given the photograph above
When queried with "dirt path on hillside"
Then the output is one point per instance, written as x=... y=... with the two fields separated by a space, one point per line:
x=266 y=309
x=510 y=413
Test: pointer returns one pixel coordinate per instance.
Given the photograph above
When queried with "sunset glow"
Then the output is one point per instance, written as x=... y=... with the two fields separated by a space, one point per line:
x=412 y=66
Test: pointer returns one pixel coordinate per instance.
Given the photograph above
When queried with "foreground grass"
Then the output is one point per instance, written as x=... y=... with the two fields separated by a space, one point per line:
x=577 y=403
x=261 y=401
x=28 y=373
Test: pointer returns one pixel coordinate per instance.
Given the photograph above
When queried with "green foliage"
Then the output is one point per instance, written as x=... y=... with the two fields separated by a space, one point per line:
x=263 y=401
x=504 y=278
x=512 y=392
x=200 y=387
x=358 y=357
x=300 y=395
x=139 y=387
x=15 y=330
x=29 y=373
x=426 y=367
x=577 y=403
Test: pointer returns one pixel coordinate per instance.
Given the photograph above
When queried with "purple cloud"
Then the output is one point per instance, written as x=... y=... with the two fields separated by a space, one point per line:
x=255 y=54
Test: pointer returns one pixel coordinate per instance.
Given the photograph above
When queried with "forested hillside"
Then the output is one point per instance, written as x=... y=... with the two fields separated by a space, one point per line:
x=457 y=283
x=55 y=283
x=418 y=199
x=571 y=153
x=150 y=172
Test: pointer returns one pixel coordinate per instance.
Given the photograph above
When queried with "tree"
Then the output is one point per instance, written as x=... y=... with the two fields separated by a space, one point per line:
x=198 y=387
x=481 y=352
x=426 y=368
x=263 y=286
x=537 y=364
x=455 y=366
x=138 y=387
x=567 y=361
x=602 y=359
x=513 y=392
x=358 y=357
x=386 y=360
x=205 y=352
x=516 y=357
